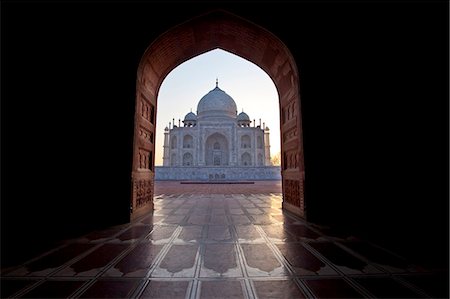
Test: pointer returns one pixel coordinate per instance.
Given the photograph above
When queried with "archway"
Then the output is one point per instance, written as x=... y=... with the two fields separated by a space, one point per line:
x=216 y=150
x=220 y=29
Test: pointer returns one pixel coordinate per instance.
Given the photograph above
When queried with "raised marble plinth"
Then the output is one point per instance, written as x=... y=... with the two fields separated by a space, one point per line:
x=217 y=173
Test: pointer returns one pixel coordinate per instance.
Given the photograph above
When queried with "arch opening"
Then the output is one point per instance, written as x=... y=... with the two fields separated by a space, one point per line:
x=223 y=30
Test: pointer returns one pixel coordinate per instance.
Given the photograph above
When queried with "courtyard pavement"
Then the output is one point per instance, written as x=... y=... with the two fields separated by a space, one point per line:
x=219 y=241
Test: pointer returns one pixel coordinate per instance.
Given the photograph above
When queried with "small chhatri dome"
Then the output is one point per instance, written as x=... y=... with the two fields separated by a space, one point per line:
x=190 y=116
x=216 y=103
x=243 y=119
x=243 y=116
x=190 y=120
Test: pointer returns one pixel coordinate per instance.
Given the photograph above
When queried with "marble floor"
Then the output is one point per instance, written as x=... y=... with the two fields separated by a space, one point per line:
x=219 y=245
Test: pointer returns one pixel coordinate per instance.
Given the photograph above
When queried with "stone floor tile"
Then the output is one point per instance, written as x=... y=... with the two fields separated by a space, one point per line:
x=96 y=260
x=220 y=289
x=435 y=285
x=277 y=233
x=192 y=233
x=377 y=255
x=303 y=261
x=261 y=261
x=224 y=266
x=332 y=288
x=54 y=289
x=48 y=263
x=345 y=261
x=248 y=234
x=301 y=231
x=240 y=219
x=161 y=234
x=165 y=290
x=137 y=262
x=178 y=262
x=135 y=232
x=220 y=242
x=218 y=233
x=386 y=287
x=10 y=287
x=280 y=289
x=111 y=289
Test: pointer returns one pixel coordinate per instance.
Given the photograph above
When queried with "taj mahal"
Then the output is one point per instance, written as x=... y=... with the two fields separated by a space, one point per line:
x=217 y=143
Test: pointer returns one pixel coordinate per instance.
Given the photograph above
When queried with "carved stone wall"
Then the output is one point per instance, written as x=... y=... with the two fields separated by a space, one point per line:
x=142 y=193
x=294 y=195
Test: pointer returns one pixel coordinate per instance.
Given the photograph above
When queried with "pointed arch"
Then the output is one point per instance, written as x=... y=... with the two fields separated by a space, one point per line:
x=221 y=29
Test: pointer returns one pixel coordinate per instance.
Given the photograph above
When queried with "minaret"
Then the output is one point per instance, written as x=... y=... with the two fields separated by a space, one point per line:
x=267 y=161
x=166 y=148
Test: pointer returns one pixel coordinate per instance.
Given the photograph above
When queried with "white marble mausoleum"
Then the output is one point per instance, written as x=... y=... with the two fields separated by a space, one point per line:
x=217 y=143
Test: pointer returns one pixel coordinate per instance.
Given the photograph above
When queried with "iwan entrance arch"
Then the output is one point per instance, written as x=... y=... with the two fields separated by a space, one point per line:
x=217 y=29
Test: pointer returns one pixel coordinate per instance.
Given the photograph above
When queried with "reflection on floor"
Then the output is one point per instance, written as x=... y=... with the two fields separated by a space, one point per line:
x=219 y=246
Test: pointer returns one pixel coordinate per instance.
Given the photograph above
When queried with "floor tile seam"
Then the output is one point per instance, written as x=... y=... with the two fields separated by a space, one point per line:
x=122 y=254
x=361 y=257
x=411 y=286
x=26 y=289
x=248 y=287
x=199 y=260
x=78 y=292
x=276 y=252
x=163 y=252
x=108 y=239
x=246 y=213
x=140 y=288
x=307 y=291
x=140 y=239
x=402 y=258
x=332 y=239
x=358 y=287
x=116 y=259
x=183 y=221
x=350 y=281
x=193 y=290
x=58 y=268
x=73 y=260
x=33 y=259
x=195 y=285
x=157 y=260
x=322 y=258
x=283 y=261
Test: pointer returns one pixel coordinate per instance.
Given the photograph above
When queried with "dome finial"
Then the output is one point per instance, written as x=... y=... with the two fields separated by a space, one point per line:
x=217 y=82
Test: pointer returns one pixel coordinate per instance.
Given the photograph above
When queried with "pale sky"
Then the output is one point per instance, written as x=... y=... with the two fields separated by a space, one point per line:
x=249 y=86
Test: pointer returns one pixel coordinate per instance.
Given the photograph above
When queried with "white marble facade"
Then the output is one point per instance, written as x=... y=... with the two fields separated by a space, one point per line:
x=217 y=137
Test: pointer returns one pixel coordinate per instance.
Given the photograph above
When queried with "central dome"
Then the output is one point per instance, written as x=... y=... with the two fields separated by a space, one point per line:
x=216 y=103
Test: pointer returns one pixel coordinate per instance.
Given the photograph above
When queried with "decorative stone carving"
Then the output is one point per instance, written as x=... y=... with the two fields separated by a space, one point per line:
x=290 y=134
x=146 y=135
x=145 y=159
x=142 y=192
x=147 y=109
x=293 y=193
x=291 y=160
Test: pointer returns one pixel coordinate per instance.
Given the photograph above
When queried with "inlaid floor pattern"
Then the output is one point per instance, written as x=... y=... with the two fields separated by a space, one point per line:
x=219 y=246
